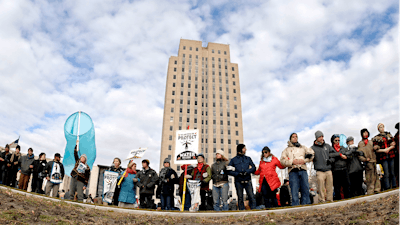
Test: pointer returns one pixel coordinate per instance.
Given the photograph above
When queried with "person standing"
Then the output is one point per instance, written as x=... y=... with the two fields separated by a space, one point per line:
x=355 y=168
x=285 y=194
x=396 y=158
x=38 y=173
x=385 y=153
x=371 y=174
x=295 y=157
x=269 y=180
x=339 y=168
x=219 y=176
x=116 y=167
x=241 y=167
x=5 y=158
x=203 y=173
x=14 y=166
x=322 y=164
x=189 y=171
x=127 y=194
x=147 y=181
x=167 y=180
x=26 y=163
x=55 y=175
x=79 y=176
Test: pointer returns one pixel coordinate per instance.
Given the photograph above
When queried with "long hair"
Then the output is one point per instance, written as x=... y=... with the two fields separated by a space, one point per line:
x=265 y=150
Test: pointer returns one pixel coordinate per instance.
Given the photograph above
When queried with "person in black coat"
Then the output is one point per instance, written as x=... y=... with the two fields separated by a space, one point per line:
x=355 y=169
x=15 y=164
x=148 y=179
x=38 y=173
x=285 y=194
x=5 y=158
x=166 y=187
x=116 y=167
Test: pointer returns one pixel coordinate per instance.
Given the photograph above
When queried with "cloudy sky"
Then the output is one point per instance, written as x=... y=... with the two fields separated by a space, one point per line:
x=304 y=66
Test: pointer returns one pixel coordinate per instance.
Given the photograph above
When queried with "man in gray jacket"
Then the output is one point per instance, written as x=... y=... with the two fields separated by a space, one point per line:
x=322 y=164
x=26 y=163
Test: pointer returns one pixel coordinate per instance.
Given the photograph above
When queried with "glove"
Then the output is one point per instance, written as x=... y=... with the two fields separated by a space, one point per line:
x=165 y=180
x=148 y=185
x=205 y=175
x=308 y=156
x=188 y=176
x=135 y=180
x=243 y=173
x=231 y=168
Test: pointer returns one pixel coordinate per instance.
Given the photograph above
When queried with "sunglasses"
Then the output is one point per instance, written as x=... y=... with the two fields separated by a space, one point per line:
x=336 y=140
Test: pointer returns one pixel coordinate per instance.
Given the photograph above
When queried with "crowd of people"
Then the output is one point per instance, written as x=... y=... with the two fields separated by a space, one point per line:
x=342 y=169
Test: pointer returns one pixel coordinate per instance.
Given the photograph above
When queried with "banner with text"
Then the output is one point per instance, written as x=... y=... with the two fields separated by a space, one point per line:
x=186 y=146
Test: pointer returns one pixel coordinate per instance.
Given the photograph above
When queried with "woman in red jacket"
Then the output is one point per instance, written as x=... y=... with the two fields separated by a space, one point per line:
x=269 y=181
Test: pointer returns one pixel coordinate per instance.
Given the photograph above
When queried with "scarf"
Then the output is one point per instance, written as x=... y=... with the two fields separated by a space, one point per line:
x=337 y=147
x=385 y=141
x=13 y=156
x=269 y=159
x=366 y=141
x=200 y=165
x=129 y=171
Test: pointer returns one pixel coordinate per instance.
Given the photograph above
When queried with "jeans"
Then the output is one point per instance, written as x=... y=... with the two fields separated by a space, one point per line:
x=249 y=190
x=146 y=201
x=389 y=177
x=268 y=195
x=299 y=182
x=221 y=192
x=166 y=202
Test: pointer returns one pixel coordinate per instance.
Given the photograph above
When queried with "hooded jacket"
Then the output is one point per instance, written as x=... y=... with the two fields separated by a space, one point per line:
x=367 y=149
x=25 y=162
x=339 y=164
x=354 y=165
x=322 y=160
x=292 y=152
x=80 y=176
x=267 y=170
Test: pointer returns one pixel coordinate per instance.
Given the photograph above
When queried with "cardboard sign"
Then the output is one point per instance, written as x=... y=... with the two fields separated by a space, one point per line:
x=110 y=182
x=136 y=153
x=186 y=146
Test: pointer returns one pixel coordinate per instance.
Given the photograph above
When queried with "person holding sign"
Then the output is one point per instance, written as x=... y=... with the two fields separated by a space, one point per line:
x=79 y=176
x=127 y=195
x=54 y=174
x=147 y=181
x=203 y=173
x=116 y=167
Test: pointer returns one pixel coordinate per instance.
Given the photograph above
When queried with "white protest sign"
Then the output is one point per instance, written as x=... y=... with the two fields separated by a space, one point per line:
x=186 y=146
x=110 y=181
x=136 y=153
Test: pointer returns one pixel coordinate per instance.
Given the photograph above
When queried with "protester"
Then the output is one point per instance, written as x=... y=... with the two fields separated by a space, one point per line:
x=38 y=173
x=167 y=180
x=26 y=163
x=188 y=203
x=14 y=166
x=116 y=167
x=285 y=194
x=295 y=157
x=54 y=175
x=339 y=168
x=369 y=158
x=396 y=158
x=269 y=180
x=147 y=181
x=127 y=194
x=220 y=191
x=385 y=152
x=355 y=168
x=322 y=164
x=241 y=167
x=203 y=173
x=79 y=176
x=5 y=158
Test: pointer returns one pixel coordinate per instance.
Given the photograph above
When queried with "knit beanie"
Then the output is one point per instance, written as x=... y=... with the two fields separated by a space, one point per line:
x=220 y=152
x=350 y=138
x=84 y=156
x=318 y=134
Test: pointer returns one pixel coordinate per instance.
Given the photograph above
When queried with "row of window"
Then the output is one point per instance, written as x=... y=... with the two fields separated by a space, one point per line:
x=197 y=49
x=215 y=150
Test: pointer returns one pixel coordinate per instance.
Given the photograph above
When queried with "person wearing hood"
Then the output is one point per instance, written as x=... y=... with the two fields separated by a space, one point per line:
x=203 y=173
x=385 y=149
x=241 y=167
x=285 y=194
x=355 y=168
x=5 y=158
x=148 y=179
x=38 y=173
x=339 y=168
x=79 y=176
x=269 y=180
x=220 y=182
x=295 y=157
x=127 y=194
x=166 y=187
x=323 y=166
x=369 y=158
x=26 y=163
x=54 y=174
x=14 y=166
x=116 y=167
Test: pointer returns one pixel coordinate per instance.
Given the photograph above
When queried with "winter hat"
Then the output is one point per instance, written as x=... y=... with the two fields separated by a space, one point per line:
x=201 y=155
x=220 y=152
x=57 y=155
x=167 y=160
x=318 y=134
x=350 y=138
x=379 y=125
x=239 y=148
x=290 y=138
x=146 y=161
x=84 y=156
x=397 y=126
x=333 y=138
x=362 y=131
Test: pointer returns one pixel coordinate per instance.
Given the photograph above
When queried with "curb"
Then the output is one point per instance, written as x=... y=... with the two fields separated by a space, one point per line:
x=213 y=214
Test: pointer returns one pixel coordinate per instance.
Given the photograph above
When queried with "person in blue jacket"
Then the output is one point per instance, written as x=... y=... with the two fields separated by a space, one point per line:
x=241 y=167
x=127 y=195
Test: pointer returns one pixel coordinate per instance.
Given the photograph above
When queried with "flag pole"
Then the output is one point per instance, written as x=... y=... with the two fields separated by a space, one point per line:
x=79 y=126
x=184 y=186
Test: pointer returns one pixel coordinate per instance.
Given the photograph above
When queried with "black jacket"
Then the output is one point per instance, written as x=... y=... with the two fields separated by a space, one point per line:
x=244 y=167
x=284 y=195
x=340 y=164
x=167 y=180
x=354 y=164
x=39 y=168
x=49 y=168
x=322 y=160
x=4 y=164
x=147 y=181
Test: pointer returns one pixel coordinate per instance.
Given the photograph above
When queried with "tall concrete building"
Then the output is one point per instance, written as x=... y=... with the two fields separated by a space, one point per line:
x=202 y=92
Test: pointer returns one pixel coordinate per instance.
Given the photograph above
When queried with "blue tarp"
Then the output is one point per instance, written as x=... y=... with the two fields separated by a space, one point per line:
x=86 y=140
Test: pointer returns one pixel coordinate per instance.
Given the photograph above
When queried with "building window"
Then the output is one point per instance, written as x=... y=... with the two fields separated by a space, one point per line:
x=214 y=140
x=183 y=77
x=236 y=115
x=190 y=48
x=213 y=104
x=214 y=122
x=183 y=69
x=197 y=49
x=229 y=131
x=234 y=90
x=183 y=55
x=229 y=151
x=172 y=110
x=188 y=102
x=170 y=137
x=237 y=133
x=181 y=92
x=181 y=84
x=237 y=142
x=187 y=120
x=212 y=51
x=174 y=76
x=195 y=120
x=229 y=123
x=188 y=85
x=225 y=54
x=229 y=142
x=180 y=110
x=170 y=128
x=236 y=124
x=169 y=147
x=172 y=101
x=178 y=168
x=235 y=107
x=189 y=93
x=173 y=84
x=222 y=141
x=188 y=110
x=234 y=99
x=174 y=69
x=228 y=114
x=219 y=52
x=171 y=119
x=233 y=68
x=233 y=75
x=173 y=92
x=181 y=101
x=222 y=122
x=184 y=47
x=190 y=56
x=195 y=102
x=195 y=111
x=234 y=83
x=176 y=62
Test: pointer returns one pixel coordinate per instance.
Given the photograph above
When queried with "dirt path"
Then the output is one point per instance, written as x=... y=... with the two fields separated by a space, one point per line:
x=19 y=209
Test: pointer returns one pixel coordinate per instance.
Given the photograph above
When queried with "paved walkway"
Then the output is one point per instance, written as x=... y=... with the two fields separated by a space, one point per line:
x=212 y=213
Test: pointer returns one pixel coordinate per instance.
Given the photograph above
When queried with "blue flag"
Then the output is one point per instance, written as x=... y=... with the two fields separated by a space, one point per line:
x=86 y=140
x=343 y=141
